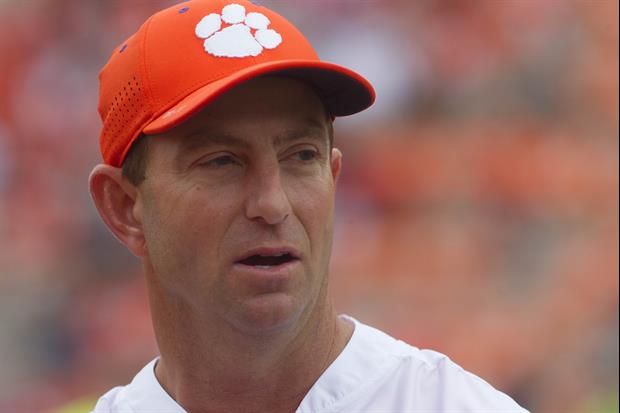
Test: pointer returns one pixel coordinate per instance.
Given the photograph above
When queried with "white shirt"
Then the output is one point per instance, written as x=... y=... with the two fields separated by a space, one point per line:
x=374 y=373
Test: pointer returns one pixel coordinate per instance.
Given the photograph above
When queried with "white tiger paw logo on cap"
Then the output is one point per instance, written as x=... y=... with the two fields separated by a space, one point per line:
x=237 y=40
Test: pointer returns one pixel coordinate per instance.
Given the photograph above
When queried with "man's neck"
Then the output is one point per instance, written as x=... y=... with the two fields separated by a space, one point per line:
x=229 y=371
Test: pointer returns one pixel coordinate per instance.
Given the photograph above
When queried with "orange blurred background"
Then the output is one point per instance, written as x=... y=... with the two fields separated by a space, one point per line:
x=477 y=212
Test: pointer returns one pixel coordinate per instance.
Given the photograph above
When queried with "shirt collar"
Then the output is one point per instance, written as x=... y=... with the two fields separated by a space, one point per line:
x=364 y=358
x=147 y=395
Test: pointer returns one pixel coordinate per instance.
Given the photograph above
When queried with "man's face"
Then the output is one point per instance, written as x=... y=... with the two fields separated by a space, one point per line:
x=237 y=206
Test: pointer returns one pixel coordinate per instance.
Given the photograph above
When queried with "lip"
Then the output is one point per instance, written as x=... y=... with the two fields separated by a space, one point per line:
x=283 y=270
x=269 y=250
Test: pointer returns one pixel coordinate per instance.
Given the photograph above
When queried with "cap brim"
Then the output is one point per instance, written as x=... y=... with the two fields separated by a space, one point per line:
x=342 y=91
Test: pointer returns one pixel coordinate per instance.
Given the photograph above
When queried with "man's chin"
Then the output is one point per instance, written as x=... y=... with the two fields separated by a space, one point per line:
x=267 y=314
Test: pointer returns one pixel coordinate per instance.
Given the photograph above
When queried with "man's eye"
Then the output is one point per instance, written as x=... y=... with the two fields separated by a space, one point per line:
x=307 y=155
x=220 y=161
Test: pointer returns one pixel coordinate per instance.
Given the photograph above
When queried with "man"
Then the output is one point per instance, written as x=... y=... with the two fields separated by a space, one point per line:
x=219 y=174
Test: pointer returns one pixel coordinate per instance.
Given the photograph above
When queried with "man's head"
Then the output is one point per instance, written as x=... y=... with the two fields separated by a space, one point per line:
x=234 y=216
x=225 y=191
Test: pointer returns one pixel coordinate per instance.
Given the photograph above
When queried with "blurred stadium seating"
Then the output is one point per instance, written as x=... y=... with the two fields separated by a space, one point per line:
x=477 y=212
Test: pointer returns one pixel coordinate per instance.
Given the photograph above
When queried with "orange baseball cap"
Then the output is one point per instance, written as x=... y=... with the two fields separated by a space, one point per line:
x=186 y=55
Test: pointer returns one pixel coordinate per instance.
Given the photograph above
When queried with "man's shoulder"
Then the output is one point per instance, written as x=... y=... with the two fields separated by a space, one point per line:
x=373 y=343
x=434 y=381
x=406 y=378
x=111 y=401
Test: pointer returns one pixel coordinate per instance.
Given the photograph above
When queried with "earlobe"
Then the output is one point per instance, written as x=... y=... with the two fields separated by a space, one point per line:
x=336 y=163
x=115 y=199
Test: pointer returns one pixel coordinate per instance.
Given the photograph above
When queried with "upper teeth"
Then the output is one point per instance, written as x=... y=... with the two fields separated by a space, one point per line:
x=274 y=255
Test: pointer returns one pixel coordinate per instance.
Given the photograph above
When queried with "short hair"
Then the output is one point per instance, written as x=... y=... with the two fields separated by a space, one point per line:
x=134 y=166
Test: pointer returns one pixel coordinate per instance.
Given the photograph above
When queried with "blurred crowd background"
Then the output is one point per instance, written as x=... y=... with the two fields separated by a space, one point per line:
x=477 y=212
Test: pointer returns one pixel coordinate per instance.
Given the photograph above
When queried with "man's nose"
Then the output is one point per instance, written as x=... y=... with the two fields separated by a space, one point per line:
x=268 y=200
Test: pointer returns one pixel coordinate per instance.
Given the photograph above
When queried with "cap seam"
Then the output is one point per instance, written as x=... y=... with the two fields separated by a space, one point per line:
x=143 y=68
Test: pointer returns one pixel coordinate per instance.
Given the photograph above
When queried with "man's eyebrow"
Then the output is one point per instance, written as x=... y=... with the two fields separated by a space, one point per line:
x=203 y=139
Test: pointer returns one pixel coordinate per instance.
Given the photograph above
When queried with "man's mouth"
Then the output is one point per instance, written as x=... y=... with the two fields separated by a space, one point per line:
x=274 y=257
x=267 y=261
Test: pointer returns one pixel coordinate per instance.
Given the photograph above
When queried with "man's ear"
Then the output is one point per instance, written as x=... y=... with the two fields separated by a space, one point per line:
x=336 y=163
x=116 y=200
